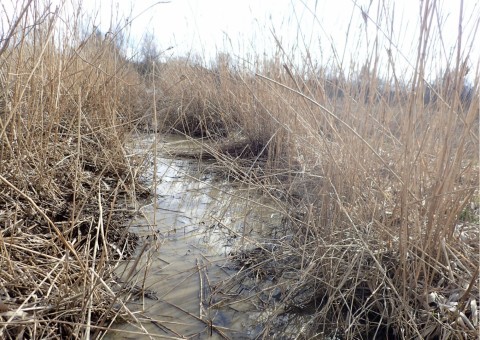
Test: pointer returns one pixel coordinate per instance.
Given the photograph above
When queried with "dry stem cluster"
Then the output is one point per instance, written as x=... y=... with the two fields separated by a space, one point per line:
x=67 y=186
x=380 y=174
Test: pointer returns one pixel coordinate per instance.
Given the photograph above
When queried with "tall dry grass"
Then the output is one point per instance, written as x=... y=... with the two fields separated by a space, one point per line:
x=380 y=168
x=380 y=171
x=67 y=101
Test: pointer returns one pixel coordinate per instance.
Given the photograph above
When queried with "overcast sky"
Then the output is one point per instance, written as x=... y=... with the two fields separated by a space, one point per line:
x=332 y=30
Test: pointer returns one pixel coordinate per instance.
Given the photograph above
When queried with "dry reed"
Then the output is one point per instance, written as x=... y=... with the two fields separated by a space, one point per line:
x=380 y=174
x=380 y=171
x=67 y=186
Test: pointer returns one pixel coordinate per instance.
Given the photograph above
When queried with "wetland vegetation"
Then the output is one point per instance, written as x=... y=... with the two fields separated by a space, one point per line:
x=371 y=172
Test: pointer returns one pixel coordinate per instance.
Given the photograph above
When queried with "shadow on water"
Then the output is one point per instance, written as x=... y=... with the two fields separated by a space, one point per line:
x=187 y=234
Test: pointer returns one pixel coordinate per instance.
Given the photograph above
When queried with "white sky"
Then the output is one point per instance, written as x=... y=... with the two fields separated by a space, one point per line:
x=244 y=27
x=333 y=31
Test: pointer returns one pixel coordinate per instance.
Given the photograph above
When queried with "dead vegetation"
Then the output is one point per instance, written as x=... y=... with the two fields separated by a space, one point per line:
x=380 y=170
x=67 y=185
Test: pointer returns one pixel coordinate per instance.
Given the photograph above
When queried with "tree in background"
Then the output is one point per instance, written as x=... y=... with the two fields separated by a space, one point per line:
x=149 y=53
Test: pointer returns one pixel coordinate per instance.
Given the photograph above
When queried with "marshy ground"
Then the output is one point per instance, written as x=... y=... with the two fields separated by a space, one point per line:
x=291 y=202
x=194 y=222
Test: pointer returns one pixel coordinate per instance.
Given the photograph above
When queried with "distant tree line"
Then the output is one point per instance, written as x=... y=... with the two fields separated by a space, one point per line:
x=451 y=87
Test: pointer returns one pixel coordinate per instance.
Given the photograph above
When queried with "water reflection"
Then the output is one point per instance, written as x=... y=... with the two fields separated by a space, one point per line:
x=190 y=228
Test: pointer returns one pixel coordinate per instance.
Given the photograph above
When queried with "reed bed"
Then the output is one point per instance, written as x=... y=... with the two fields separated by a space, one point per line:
x=67 y=185
x=380 y=171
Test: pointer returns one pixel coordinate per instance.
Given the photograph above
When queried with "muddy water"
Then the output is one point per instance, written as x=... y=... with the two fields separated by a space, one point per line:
x=187 y=234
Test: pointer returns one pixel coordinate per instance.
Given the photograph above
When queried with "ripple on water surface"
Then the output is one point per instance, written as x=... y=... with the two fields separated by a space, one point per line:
x=191 y=227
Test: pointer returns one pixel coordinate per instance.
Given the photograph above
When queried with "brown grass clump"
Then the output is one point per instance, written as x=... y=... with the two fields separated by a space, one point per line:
x=66 y=182
x=219 y=102
x=381 y=172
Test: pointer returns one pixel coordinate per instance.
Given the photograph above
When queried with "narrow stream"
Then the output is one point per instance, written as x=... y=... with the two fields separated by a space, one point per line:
x=187 y=235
